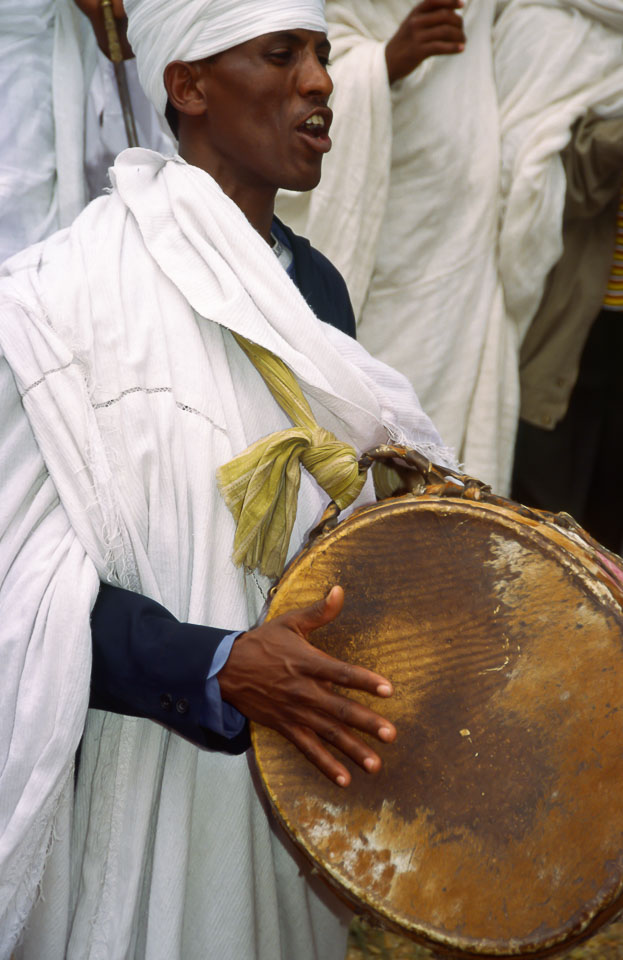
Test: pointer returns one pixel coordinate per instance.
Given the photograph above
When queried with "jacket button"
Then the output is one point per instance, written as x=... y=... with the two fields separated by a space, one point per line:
x=166 y=701
x=182 y=705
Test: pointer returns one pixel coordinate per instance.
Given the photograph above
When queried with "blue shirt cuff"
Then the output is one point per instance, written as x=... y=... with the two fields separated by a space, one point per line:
x=217 y=715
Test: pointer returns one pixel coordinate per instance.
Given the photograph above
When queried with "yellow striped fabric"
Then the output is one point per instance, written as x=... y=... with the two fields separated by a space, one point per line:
x=613 y=299
x=260 y=486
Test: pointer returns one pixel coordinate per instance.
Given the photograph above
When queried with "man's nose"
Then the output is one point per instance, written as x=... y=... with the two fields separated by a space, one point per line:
x=314 y=78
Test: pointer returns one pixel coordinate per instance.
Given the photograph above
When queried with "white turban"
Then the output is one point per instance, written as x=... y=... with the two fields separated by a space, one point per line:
x=160 y=31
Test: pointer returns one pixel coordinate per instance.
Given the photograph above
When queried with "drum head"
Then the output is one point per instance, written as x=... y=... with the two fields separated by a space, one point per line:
x=494 y=827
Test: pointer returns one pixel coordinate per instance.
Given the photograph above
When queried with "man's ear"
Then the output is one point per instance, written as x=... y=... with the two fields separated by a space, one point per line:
x=185 y=88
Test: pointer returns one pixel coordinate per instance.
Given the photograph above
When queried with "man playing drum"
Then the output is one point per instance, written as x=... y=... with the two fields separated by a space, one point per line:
x=154 y=357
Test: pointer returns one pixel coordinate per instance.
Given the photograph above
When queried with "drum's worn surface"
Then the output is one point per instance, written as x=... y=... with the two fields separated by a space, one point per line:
x=495 y=826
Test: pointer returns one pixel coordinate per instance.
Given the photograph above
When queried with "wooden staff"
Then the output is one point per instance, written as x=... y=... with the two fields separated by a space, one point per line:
x=115 y=54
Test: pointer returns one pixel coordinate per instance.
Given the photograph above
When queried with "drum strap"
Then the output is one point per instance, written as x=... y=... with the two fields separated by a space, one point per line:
x=260 y=486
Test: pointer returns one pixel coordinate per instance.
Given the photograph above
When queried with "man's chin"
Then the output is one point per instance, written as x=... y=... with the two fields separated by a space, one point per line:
x=302 y=183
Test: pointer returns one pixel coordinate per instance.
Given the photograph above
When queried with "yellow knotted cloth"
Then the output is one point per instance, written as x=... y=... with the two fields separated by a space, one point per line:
x=260 y=486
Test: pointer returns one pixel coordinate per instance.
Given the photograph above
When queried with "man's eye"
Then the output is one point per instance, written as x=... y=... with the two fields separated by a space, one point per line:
x=280 y=56
x=325 y=61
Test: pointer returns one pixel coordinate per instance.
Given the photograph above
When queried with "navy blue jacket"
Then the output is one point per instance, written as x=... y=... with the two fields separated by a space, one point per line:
x=145 y=662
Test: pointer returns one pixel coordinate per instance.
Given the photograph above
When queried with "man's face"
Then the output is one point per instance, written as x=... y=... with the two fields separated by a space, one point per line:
x=267 y=120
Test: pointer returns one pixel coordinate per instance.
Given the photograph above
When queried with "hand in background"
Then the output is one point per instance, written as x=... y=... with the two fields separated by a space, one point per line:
x=93 y=10
x=431 y=29
x=275 y=677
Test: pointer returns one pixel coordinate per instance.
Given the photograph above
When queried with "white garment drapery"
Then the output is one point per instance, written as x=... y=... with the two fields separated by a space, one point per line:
x=44 y=53
x=407 y=210
x=442 y=199
x=135 y=392
x=63 y=124
x=554 y=61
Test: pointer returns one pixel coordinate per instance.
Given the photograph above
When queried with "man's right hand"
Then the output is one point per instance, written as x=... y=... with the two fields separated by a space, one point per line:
x=431 y=29
x=275 y=677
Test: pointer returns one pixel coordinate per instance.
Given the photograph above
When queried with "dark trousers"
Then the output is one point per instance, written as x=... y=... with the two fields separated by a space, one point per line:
x=578 y=466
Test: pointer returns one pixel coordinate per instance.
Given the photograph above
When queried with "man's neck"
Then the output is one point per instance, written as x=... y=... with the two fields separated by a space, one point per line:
x=257 y=204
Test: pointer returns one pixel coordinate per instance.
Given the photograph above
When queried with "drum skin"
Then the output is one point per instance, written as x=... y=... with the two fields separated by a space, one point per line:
x=494 y=828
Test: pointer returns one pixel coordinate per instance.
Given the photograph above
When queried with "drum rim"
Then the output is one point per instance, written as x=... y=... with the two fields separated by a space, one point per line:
x=433 y=939
x=577 y=557
x=544 y=527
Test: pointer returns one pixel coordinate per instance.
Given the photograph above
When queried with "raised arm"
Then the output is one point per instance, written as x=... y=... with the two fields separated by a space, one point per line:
x=433 y=28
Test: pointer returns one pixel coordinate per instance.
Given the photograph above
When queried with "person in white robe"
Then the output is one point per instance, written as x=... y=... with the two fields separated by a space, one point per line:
x=63 y=124
x=554 y=61
x=123 y=389
x=441 y=202
x=407 y=209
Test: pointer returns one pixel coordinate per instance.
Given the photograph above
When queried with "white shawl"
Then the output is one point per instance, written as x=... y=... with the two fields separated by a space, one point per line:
x=117 y=335
x=407 y=209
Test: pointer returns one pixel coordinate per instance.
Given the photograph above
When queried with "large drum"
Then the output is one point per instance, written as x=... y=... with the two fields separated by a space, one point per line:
x=494 y=828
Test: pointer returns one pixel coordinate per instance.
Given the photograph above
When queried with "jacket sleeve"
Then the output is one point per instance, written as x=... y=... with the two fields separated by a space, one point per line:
x=148 y=664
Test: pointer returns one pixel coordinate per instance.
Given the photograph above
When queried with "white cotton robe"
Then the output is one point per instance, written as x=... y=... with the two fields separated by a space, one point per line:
x=407 y=209
x=41 y=180
x=554 y=60
x=62 y=121
x=116 y=336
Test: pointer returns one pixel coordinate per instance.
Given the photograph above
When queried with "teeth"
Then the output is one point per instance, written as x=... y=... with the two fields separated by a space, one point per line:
x=315 y=121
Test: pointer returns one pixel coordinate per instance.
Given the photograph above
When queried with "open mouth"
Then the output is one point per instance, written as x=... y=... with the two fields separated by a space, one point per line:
x=315 y=129
x=315 y=126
